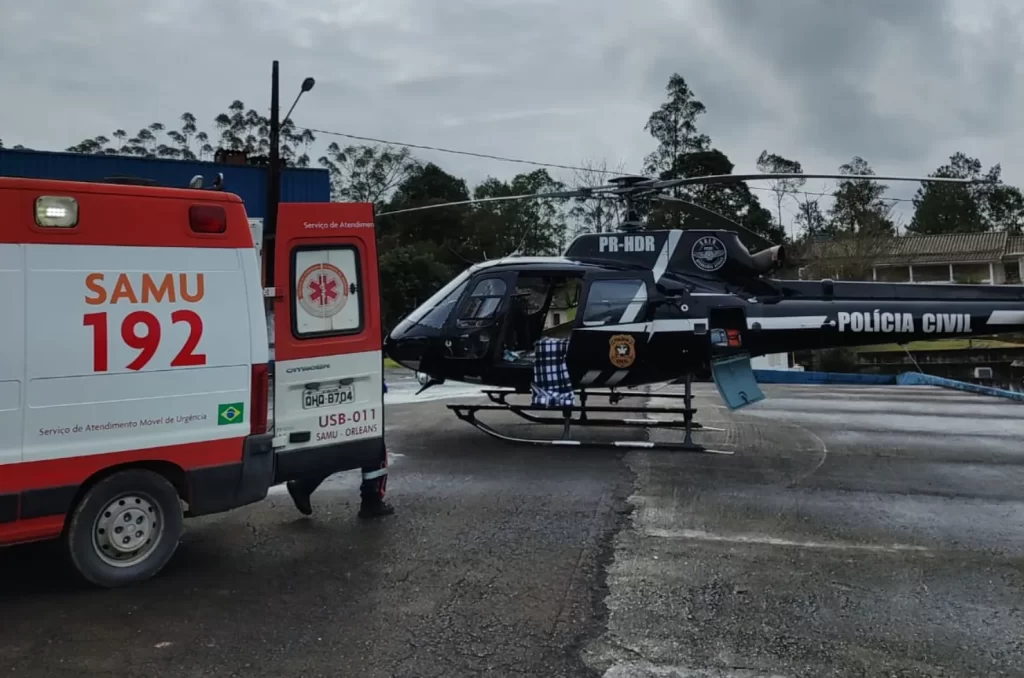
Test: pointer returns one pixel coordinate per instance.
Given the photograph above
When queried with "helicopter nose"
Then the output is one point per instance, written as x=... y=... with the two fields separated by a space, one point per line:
x=406 y=346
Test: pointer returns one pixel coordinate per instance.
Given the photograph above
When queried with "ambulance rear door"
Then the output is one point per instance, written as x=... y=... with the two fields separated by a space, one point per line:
x=328 y=366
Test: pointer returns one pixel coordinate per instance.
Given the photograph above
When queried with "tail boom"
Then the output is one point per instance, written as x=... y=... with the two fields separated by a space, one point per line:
x=883 y=314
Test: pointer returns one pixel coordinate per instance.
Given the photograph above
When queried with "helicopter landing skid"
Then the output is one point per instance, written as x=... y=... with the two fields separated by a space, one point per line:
x=531 y=413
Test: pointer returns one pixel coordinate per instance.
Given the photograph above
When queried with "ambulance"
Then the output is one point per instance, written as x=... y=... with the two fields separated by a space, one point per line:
x=138 y=381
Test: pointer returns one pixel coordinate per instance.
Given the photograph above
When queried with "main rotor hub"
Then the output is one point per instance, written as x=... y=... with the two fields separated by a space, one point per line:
x=628 y=181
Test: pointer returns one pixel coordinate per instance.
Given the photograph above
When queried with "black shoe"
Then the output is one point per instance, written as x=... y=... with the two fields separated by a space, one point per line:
x=375 y=509
x=300 y=498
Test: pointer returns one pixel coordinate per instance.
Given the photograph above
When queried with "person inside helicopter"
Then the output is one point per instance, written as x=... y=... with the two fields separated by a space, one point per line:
x=562 y=307
x=539 y=307
x=517 y=336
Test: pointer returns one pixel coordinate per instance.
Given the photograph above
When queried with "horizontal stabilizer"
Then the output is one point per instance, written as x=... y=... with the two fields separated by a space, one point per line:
x=735 y=380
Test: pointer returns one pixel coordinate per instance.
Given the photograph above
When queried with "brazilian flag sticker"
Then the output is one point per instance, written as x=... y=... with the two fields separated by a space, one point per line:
x=231 y=413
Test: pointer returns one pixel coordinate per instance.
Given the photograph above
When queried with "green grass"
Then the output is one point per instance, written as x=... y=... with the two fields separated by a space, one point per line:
x=388 y=362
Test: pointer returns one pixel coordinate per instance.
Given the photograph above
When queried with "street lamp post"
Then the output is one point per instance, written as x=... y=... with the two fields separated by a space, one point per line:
x=274 y=170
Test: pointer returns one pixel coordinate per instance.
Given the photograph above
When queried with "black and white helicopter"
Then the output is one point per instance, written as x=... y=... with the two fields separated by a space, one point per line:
x=639 y=307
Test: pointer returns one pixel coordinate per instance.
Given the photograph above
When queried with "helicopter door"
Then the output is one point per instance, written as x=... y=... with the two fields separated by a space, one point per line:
x=542 y=305
x=473 y=329
x=610 y=338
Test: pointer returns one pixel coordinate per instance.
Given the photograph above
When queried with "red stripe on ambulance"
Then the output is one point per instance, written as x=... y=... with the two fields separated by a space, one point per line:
x=15 y=478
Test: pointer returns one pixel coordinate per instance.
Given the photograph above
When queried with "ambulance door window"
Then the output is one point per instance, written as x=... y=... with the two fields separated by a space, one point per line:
x=327 y=291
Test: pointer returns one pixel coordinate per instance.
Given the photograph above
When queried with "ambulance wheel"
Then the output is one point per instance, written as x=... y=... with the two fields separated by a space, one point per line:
x=125 y=528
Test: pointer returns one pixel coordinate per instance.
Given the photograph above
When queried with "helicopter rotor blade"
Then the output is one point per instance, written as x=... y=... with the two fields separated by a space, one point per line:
x=581 y=193
x=714 y=218
x=735 y=178
x=639 y=187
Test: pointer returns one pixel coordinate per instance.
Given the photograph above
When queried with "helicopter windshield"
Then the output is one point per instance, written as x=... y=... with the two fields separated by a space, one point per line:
x=435 y=311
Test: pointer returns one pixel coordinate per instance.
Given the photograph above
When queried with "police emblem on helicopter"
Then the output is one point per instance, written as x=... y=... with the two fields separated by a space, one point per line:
x=622 y=350
x=708 y=253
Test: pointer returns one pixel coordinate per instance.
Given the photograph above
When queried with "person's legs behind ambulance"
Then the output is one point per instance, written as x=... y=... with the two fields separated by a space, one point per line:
x=371 y=490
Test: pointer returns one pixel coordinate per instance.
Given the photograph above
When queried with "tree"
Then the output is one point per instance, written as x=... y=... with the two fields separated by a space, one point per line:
x=247 y=130
x=683 y=151
x=420 y=251
x=810 y=219
x=367 y=173
x=408 y=276
x=967 y=208
x=674 y=127
x=951 y=208
x=772 y=163
x=733 y=200
x=239 y=130
x=858 y=205
x=594 y=215
x=447 y=227
x=1004 y=207
x=842 y=256
x=534 y=227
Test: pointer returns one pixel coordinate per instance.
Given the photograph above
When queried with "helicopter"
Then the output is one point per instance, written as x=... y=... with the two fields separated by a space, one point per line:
x=635 y=307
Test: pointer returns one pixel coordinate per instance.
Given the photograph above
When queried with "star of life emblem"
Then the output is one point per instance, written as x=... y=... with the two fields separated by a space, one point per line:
x=322 y=290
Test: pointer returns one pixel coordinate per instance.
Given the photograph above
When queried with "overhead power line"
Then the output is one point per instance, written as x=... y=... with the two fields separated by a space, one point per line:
x=534 y=163
x=486 y=156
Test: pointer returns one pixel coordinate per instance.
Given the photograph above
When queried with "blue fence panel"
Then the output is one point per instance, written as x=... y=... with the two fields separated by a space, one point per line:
x=904 y=379
x=918 y=379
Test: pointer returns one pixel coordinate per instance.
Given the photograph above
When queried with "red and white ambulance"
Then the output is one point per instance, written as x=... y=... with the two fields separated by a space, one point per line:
x=136 y=363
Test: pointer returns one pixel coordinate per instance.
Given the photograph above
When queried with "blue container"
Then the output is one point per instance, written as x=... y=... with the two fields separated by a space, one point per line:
x=249 y=182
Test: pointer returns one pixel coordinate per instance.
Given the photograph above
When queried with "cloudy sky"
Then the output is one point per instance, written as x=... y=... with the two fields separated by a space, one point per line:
x=903 y=83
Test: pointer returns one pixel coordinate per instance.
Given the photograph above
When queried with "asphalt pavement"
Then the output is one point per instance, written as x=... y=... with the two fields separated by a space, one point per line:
x=489 y=567
x=851 y=532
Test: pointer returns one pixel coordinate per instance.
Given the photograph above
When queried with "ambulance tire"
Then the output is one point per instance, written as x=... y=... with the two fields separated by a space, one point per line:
x=124 y=491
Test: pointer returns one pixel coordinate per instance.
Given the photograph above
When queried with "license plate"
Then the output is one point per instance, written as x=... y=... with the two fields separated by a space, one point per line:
x=313 y=398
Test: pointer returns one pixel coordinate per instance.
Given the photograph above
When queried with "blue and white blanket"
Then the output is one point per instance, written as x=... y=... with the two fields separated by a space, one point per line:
x=551 y=386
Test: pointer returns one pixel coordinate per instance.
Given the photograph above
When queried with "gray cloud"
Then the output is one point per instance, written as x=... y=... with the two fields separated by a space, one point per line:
x=903 y=84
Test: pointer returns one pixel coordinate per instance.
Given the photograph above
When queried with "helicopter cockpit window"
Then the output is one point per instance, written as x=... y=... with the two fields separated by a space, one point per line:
x=438 y=315
x=609 y=301
x=435 y=311
x=483 y=303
